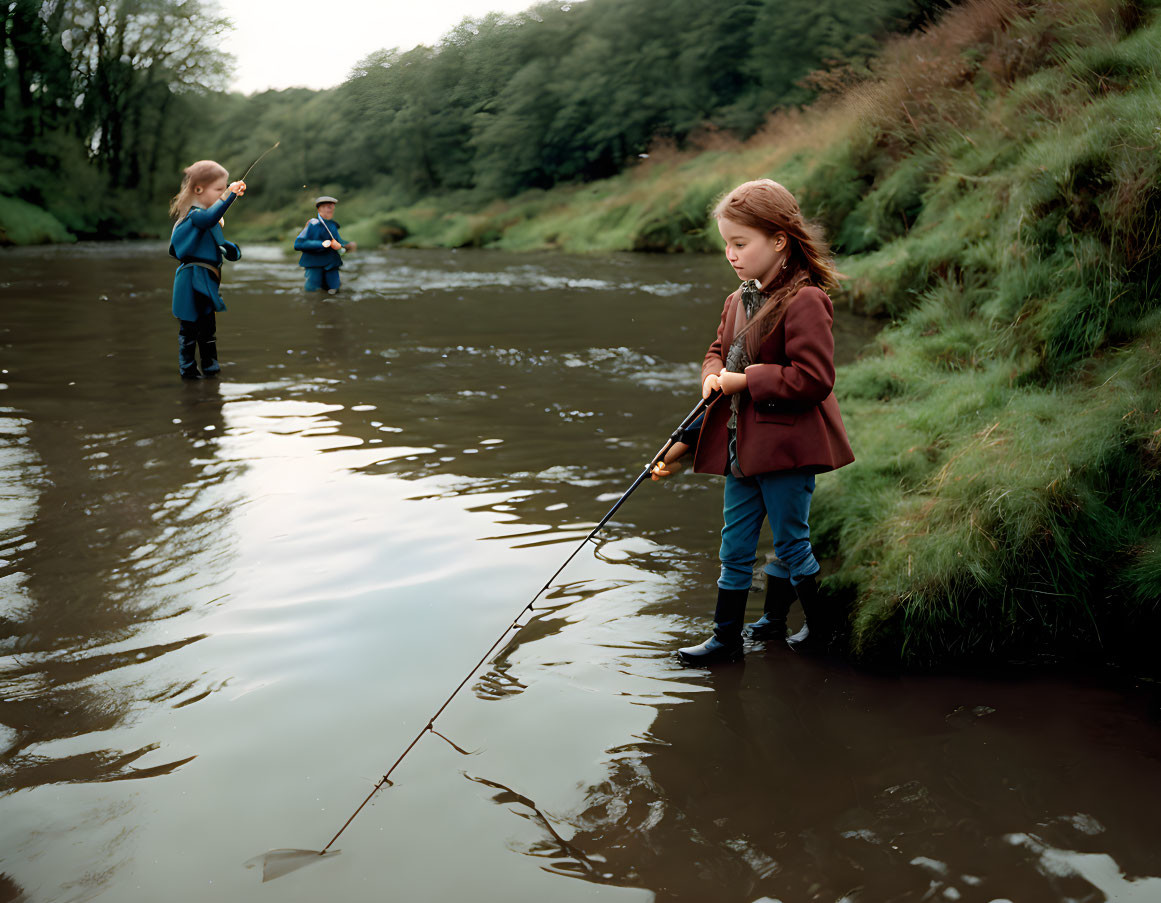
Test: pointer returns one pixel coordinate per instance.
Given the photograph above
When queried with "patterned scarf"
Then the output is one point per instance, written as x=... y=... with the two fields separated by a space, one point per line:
x=738 y=358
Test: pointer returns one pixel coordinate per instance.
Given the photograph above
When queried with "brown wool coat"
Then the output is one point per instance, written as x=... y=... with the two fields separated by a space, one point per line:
x=788 y=418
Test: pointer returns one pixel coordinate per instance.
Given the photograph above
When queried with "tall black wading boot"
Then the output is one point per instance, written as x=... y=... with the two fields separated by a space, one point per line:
x=726 y=643
x=780 y=596
x=817 y=633
x=187 y=343
x=208 y=344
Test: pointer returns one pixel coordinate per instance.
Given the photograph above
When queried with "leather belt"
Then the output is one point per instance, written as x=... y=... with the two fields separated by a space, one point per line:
x=205 y=266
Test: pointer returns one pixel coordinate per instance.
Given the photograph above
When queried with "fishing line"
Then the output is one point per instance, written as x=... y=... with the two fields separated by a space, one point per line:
x=285 y=857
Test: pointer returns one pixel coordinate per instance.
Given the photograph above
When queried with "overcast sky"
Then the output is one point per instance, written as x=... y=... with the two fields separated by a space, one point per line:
x=315 y=44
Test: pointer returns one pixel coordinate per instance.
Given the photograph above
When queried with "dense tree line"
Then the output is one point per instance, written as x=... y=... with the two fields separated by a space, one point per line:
x=560 y=92
x=98 y=100
x=102 y=103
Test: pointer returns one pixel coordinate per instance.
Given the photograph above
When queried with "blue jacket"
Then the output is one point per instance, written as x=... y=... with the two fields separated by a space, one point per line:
x=197 y=238
x=310 y=241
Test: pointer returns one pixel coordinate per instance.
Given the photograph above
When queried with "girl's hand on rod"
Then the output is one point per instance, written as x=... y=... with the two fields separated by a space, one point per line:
x=239 y=188
x=710 y=385
x=671 y=463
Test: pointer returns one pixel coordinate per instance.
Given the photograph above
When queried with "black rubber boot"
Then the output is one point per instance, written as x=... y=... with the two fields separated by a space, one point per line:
x=208 y=345
x=208 y=352
x=780 y=596
x=726 y=643
x=186 y=345
x=816 y=634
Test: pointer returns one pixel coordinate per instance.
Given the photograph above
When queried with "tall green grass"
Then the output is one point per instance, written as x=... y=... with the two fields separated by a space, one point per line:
x=1007 y=498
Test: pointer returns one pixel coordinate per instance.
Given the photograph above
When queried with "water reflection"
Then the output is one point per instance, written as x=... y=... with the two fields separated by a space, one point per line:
x=228 y=605
x=794 y=780
x=117 y=497
x=10 y=891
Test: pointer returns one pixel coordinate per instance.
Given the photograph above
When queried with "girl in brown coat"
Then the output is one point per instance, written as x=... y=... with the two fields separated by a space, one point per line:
x=776 y=422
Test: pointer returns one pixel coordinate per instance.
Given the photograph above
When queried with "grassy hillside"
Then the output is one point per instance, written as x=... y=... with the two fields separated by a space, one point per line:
x=1008 y=497
x=995 y=190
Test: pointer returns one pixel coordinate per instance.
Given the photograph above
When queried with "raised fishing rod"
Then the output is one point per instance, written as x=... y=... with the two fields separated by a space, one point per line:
x=279 y=862
x=251 y=166
x=259 y=160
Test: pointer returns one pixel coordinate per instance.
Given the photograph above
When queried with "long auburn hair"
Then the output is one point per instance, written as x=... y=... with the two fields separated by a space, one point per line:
x=196 y=175
x=767 y=206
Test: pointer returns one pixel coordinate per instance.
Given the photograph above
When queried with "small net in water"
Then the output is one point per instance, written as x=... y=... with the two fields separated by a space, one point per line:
x=277 y=863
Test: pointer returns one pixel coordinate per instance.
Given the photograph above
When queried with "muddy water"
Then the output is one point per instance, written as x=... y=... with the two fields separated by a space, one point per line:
x=227 y=606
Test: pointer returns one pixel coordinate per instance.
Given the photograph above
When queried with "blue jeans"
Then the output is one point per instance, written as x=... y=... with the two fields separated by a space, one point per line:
x=318 y=279
x=784 y=498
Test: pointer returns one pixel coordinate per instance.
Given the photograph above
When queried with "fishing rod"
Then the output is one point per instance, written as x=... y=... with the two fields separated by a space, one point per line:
x=279 y=862
x=342 y=249
x=259 y=160
x=222 y=221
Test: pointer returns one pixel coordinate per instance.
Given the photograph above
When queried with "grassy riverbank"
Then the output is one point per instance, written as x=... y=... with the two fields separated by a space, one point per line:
x=995 y=190
x=1008 y=497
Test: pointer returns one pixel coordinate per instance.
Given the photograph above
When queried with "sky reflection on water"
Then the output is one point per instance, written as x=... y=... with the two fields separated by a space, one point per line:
x=227 y=606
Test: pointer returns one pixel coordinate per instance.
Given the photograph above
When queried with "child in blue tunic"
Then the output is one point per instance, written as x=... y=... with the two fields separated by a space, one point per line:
x=322 y=247
x=198 y=244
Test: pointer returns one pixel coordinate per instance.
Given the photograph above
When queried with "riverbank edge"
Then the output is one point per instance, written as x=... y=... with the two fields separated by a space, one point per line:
x=994 y=191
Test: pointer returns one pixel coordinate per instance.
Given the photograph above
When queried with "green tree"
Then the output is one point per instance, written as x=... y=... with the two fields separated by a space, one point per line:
x=133 y=61
x=96 y=101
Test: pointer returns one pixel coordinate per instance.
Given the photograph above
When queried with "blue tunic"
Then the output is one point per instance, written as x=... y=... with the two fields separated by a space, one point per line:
x=197 y=238
x=310 y=241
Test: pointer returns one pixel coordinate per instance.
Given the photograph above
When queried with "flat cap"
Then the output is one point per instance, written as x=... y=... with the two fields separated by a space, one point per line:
x=325 y=199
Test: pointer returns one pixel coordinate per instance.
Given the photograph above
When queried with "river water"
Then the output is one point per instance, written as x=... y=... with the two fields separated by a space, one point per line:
x=226 y=607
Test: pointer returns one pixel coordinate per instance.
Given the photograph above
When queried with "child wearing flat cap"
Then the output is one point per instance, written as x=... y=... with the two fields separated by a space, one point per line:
x=322 y=248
